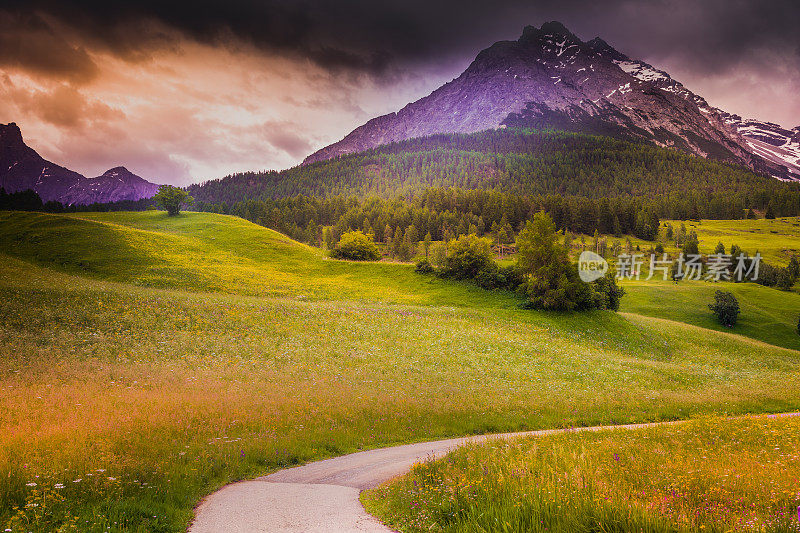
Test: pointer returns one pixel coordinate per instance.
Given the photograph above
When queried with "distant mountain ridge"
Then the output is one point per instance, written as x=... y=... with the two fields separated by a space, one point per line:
x=550 y=78
x=21 y=168
x=770 y=141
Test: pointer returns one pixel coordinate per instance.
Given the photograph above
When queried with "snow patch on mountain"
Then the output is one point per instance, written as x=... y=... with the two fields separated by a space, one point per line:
x=642 y=71
x=771 y=141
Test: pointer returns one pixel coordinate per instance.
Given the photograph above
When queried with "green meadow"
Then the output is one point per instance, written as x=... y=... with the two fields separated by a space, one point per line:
x=776 y=239
x=146 y=361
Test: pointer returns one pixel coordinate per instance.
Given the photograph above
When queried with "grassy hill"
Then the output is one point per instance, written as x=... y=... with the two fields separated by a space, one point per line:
x=767 y=314
x=215 y=253
x=776 y=239
x=218 y=253
x=146 y=360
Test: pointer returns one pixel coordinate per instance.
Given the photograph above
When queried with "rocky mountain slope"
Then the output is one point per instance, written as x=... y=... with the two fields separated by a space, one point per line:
x=22 y=168
x=770 y=141
x=550 y=78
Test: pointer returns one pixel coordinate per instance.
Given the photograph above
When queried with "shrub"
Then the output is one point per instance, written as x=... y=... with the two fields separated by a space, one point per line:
x=607 y=293
x=424 y=266
x=356 y=246
x=513 y=275
x=692 y=245
x=496 y=277
x=784 y=281
x=726 y=307
x=438 y=254
x=467 y=256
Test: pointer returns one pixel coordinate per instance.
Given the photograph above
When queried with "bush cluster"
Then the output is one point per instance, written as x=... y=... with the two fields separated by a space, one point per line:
x=356 y=246
x=469 y=257
x=543 y=271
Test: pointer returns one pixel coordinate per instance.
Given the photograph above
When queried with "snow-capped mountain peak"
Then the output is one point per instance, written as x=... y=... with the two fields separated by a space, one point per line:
x=549 y=77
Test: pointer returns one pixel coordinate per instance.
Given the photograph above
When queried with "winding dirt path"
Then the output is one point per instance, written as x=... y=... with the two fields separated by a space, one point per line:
x=323 y=496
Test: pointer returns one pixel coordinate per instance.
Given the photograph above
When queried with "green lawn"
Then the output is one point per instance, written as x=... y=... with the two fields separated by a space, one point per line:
x=146 y=361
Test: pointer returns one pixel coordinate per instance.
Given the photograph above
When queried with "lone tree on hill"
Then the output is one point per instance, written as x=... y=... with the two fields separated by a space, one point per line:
x=172 y=198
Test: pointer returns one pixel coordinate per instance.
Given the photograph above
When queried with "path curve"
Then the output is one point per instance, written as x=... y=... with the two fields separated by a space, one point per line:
x=323 y=496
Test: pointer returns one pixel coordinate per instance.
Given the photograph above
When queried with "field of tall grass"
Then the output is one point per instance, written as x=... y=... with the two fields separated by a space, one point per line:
x=710 y=475
x=146 y=361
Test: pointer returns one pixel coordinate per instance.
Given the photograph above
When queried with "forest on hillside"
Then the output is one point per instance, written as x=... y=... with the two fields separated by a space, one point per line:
x=523 y=163
x=448 y=184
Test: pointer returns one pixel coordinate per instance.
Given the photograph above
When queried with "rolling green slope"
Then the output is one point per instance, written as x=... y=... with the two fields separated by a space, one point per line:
x=767 y=314
x=215 y=253
x=145 y=361
x=776 y=239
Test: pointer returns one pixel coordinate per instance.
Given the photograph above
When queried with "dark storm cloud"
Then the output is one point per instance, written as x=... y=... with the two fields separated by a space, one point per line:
x=374 y=37
x=28 y=42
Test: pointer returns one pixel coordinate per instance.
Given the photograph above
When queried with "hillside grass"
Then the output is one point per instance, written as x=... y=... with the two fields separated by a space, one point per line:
x=712 y=475
x=146 y=361
x=216 y=253
x=777 y=239
x=767 y=314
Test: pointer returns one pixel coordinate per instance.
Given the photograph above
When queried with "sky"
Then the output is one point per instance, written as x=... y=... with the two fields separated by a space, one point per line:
x=182 y=92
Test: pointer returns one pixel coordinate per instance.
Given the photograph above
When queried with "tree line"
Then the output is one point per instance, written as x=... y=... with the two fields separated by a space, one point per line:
x=524 y=163
x=443 y=213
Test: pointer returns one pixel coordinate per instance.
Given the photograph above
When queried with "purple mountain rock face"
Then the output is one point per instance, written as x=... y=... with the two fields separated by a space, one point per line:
x=22 y=168
x=770 y=141
x=550 y=78
x=114 y=185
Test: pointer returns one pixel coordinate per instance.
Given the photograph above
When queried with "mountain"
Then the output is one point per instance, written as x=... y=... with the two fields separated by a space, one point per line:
x=771 y=141
x=550 y=78
x=21 y=168
x=114 y=185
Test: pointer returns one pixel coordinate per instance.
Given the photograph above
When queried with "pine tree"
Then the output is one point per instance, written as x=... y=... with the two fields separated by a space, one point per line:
x=407 y=249
x=553 y=281
x=427 y=244
x=397 y=243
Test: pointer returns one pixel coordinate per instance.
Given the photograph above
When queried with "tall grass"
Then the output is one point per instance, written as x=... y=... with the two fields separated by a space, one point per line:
x=711 y=475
